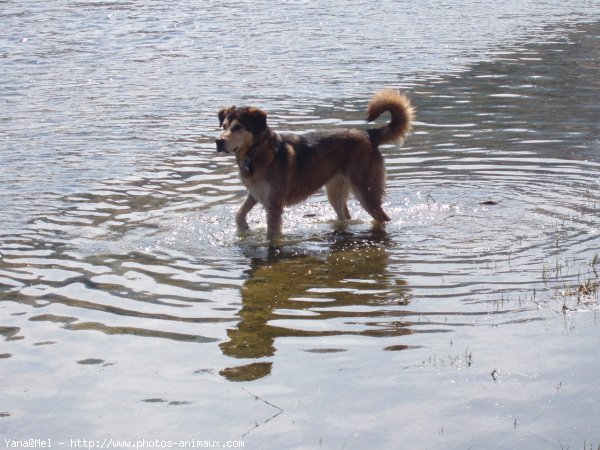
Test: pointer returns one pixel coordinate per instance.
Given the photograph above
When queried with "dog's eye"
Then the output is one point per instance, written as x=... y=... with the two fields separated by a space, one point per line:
x=236 y=127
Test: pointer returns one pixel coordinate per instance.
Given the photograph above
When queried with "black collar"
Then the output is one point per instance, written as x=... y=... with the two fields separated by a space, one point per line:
x=247 y=167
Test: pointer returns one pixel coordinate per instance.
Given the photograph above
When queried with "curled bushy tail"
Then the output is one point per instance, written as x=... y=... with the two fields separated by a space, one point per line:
x=398 y=105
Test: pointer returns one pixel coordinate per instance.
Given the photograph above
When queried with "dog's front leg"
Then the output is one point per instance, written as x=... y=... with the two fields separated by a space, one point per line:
x=274 y=212
x=242 y=212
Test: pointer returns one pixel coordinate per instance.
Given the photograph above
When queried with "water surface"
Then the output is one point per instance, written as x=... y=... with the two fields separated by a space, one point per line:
x=469 y=321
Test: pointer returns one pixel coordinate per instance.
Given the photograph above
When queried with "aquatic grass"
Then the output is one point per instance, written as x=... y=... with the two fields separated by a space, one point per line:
x=590 y=286
x=457 y=361
x=586 y=446
x=584 y=294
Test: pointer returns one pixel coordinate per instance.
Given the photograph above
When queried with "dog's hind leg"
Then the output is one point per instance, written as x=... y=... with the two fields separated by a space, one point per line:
x=338 y=190
x=371 y=202
x=242 y=212
x=368 y=186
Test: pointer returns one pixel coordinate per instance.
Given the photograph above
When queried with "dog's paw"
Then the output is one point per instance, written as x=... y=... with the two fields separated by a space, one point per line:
x=242 y=227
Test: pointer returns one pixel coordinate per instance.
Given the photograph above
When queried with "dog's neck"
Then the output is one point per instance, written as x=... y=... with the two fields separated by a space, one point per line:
x=246 y=164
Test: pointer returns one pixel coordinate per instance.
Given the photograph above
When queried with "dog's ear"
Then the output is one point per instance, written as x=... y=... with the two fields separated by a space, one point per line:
x=223 y=113
x=257 y=119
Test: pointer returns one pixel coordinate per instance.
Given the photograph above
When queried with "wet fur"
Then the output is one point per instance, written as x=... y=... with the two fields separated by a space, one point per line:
x=283 y=169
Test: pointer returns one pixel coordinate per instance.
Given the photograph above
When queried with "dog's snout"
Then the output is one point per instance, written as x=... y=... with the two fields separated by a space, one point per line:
x=220 y=144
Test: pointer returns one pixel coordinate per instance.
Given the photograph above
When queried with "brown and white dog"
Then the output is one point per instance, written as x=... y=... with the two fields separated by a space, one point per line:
x=283 y=169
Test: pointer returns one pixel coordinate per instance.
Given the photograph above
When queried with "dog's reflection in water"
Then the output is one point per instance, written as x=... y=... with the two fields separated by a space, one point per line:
x=311 y=293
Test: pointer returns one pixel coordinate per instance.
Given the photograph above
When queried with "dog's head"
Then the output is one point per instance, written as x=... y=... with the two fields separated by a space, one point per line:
x=241 y=129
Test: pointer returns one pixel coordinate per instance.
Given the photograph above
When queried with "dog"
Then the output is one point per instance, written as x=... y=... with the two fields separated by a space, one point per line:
x=283 y=169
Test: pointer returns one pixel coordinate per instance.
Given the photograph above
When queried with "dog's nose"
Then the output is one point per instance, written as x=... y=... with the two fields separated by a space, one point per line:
x=220 y=144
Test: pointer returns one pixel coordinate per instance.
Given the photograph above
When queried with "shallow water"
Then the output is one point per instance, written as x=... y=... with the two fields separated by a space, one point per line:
x=469 y=321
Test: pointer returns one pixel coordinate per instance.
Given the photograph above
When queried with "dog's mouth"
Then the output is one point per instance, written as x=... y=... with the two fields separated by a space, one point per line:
x=222 y=147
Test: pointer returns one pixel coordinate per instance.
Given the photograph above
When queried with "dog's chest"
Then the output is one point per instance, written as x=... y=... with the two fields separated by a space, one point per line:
x=260 y=189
